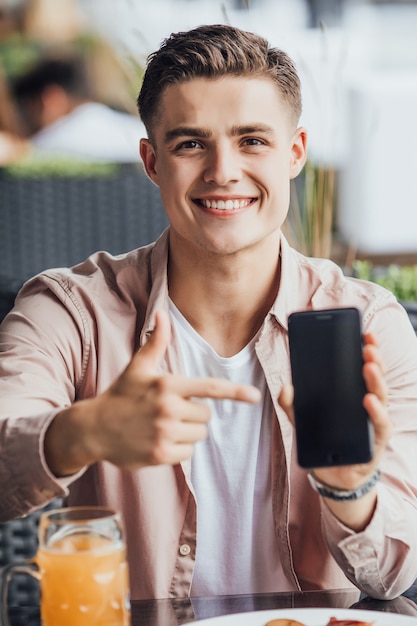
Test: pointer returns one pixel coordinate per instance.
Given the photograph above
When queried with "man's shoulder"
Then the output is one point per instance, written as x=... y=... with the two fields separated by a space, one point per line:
x=102 y=280
x=103 y=266
x=326 y=284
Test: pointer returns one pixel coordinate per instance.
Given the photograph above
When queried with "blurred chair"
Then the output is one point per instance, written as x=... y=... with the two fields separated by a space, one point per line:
x=19 y=541
x=9 y=287
x=58 y=221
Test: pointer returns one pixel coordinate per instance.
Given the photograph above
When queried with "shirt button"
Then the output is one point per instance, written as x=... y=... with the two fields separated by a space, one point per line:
x=185 y=549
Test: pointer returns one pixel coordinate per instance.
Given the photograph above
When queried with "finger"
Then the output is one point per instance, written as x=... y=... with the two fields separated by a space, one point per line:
x=195 y=411
x=379 y=418
x=375 y=382
x=188 y=432
x=175 y=441
x=370 y=339
x=149 y=357
x=177 y=409
x=286 y=399
x=173 y=454
x=215 y=388
x=371 y=354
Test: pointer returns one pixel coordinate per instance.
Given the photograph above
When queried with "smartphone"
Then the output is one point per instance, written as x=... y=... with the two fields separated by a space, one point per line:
x=332 y=427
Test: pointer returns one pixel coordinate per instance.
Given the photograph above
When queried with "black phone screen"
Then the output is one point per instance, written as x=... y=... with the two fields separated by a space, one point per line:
x=332 y=426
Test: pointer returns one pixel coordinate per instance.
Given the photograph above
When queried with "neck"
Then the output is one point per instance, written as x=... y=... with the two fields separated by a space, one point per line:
x=225 y=298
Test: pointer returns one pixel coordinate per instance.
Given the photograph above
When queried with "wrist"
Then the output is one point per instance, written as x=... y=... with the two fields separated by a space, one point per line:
x=342 y=495
x=66 y=446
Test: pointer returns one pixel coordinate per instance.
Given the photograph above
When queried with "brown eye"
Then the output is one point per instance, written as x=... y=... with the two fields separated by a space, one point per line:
x=253 y=141
x=188 y=145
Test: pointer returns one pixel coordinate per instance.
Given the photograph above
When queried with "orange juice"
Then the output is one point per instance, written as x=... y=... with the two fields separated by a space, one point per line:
x=84 y=582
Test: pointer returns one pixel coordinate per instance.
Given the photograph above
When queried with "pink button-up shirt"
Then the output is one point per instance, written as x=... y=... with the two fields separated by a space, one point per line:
x=73 y=331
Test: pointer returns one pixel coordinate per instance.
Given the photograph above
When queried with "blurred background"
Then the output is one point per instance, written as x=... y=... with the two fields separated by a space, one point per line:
x=357 y=197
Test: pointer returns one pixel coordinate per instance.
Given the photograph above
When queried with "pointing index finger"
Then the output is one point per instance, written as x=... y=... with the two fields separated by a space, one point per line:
x=215 y=388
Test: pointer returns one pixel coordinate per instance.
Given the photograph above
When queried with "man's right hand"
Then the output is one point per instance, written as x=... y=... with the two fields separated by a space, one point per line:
x=144 y=418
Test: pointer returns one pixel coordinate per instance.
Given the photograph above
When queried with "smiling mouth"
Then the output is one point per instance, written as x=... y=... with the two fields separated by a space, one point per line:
x=225 y=205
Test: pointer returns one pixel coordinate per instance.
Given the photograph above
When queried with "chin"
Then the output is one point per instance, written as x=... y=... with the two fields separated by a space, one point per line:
x=229 y=247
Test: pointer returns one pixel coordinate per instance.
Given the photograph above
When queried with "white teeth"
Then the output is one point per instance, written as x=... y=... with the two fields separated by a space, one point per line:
x=223 y=205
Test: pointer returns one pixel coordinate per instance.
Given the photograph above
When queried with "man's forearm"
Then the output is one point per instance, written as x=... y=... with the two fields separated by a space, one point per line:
x=357 y=514
x=69 y=441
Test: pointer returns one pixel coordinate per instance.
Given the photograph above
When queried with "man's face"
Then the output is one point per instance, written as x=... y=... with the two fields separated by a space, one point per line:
x=223 y=155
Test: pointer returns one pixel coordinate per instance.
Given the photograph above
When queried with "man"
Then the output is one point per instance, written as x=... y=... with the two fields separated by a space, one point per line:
x=63 y=119
x=158 y=382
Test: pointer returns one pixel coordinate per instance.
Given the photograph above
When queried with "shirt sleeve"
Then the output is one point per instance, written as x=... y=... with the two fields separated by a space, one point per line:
x=42 y=351
x=381 y=560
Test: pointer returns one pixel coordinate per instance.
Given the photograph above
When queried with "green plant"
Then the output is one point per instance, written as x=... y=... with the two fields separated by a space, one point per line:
x=42 y=167
x=400 y=279
x=310 y=222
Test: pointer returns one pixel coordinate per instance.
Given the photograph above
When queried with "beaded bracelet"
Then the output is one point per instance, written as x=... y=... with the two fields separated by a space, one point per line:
x=342 y=495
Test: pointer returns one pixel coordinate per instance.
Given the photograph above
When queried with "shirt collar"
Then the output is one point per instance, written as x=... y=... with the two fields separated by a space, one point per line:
x=288 y=297
x=294 y=292
x=158 y=296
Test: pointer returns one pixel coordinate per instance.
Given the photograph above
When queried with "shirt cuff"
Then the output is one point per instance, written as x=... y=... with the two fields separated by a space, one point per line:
x=27 y=481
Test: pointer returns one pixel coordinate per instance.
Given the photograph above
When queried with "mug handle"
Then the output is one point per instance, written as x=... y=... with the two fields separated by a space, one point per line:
x=6 y=574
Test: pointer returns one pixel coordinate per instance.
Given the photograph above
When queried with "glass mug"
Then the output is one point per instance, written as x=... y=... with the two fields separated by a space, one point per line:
x=81 y=566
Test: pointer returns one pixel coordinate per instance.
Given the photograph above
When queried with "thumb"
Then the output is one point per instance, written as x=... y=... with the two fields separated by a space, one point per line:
x=285 y=400
x=151 y=354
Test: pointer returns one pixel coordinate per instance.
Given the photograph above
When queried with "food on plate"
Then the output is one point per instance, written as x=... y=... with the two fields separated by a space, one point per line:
x=284 y=622
x=333 y=622
x=347 y=622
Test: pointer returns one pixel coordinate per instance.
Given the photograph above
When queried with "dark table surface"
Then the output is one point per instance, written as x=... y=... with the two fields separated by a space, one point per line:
x=185 y=610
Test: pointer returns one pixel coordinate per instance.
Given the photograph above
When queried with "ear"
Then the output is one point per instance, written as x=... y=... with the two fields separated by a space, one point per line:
x=298 y=151
x=148 y=155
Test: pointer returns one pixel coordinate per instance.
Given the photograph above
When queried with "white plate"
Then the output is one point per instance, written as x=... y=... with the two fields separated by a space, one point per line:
x=310 y=617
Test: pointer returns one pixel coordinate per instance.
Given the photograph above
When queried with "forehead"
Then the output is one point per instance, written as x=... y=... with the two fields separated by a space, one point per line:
x=221 y=101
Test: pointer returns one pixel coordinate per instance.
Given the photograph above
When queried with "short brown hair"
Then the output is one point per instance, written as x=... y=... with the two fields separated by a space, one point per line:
x=211 y=52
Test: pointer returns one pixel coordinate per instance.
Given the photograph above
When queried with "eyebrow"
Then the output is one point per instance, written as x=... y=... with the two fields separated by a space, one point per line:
x=186 y=131
x=250 y=129
x=202 y=133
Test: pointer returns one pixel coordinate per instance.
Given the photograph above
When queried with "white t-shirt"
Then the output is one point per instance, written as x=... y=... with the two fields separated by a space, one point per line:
x=94 y=132
x=231 y=476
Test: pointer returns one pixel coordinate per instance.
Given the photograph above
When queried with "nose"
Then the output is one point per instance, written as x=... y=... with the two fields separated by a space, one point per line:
x=222 y=166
